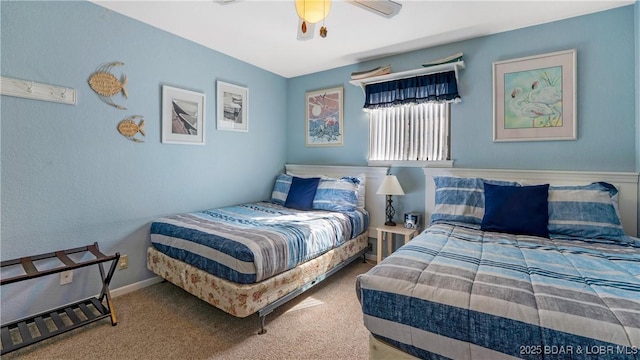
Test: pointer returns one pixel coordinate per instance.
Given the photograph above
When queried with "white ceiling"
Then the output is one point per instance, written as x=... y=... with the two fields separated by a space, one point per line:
x=263 y=33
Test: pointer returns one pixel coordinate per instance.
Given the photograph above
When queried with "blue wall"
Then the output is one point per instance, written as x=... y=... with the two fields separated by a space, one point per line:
x=637 y=43
x=69 y=178
x=606 y=99
x=637 y=46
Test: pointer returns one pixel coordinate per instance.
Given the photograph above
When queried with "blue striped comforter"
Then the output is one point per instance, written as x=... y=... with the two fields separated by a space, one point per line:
x=456 y=292
x=252 y=242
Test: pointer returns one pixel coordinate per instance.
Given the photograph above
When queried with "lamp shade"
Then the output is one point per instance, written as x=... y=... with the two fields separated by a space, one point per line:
x=390 y=186
x=313 y=11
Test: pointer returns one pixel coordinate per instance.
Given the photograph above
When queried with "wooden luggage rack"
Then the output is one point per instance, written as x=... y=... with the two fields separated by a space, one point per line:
x=50 y=323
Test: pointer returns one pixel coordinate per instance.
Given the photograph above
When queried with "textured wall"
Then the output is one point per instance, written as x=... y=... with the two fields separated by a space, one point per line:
x=606 y=102
x=69 y=178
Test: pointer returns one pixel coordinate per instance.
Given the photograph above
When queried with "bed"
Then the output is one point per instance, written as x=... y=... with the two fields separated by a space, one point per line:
x=555 y=277
x=254 y=257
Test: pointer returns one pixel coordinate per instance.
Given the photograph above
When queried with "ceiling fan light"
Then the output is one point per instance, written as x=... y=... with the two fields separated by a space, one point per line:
x=313 y=11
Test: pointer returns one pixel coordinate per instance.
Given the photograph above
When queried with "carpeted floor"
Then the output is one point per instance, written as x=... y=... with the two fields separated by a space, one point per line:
x=165 y=322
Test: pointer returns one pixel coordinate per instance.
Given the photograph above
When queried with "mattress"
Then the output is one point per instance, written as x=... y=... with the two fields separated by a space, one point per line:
x=252 y=242
x=457 y=292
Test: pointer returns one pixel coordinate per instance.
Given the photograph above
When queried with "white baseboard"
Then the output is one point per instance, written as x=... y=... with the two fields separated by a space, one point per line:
x=135 y=286
x=371 y=256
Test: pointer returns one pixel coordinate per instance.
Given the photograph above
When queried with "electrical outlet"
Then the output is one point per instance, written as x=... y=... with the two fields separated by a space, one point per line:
x=123 y=263
x=66 y=277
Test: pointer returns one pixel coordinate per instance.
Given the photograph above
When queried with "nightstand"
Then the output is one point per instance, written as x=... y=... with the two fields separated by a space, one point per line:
x=386 y=233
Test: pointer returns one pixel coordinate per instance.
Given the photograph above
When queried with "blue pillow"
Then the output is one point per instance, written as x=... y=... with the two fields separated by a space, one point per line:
x=461 y=199
x=281 y=189
x=301 y=193
x=337 y=195
x=585 y=211
x=519 y=210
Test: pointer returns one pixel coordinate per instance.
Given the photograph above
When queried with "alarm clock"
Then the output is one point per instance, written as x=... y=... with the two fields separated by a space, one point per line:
x=412 y=220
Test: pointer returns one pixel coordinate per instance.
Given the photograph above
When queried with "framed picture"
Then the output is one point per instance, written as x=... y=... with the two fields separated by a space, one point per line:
x=324 y=117
x=182 y=116
x=233 y=107
x=534 y=98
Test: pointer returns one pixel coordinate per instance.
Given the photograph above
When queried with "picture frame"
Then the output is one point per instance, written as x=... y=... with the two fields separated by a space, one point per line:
x=324 y=117
x=534 y=98
x=232 y=107
x=183 y=116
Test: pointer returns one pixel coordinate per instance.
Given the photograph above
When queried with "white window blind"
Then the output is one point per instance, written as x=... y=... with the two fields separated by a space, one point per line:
x=416 y=132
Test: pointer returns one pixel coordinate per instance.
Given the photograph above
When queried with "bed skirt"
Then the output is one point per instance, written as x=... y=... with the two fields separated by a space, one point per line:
x=242 y=300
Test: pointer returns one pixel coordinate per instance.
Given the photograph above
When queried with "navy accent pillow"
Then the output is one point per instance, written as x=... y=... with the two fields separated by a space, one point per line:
x=301 y=193
x=520 y=210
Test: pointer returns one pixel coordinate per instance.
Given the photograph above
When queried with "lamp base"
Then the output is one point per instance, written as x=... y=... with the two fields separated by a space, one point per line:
x=390 y=212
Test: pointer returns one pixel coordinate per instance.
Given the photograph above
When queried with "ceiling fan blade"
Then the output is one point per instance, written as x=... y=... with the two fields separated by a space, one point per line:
x=311 y=28
x=385 y=8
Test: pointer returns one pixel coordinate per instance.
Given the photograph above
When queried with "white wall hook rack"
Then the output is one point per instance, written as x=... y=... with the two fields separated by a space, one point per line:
x=32 y=90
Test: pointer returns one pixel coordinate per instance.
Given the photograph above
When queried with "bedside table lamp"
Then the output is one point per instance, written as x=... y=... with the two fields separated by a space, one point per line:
x=390 y=186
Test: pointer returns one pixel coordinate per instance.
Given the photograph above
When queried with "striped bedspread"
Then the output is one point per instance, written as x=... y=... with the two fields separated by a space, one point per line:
x=457 y=292
x=251 y=242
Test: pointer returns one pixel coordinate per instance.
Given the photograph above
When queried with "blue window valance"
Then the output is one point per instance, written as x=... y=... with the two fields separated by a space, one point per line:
x=436 y=87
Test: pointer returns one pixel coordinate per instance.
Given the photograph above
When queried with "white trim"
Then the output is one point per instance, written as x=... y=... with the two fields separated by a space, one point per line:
x=409 y=73
x=135 y=286
x=370 y=256
x=412 y=163
x=114 y=293
x=29 y=89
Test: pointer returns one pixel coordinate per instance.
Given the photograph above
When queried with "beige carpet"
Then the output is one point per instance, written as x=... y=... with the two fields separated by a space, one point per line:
x=165 y=322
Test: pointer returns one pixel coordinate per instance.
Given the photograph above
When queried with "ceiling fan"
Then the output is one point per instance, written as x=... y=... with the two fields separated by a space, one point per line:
x=311 y=12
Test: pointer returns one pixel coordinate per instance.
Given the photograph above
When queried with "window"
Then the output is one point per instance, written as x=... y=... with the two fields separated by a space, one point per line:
x=409 y=119
x=417 y=132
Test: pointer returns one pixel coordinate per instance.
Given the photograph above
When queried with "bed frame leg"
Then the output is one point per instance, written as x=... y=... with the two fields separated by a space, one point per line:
x=262 y=313
x=262 y=329
x=364 y=258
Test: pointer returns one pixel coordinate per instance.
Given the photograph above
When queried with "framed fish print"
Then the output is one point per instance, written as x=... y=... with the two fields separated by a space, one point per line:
x=233 y=107
x=324 y=117
x=182 y=116
x=534 y=98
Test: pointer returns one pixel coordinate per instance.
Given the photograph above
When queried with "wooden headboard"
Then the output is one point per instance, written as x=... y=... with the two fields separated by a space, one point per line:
x=375 y=204
x=626 y=182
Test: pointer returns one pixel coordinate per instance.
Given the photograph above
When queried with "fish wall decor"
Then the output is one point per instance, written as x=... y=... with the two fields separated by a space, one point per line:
x=128 y=127
x=105 y=84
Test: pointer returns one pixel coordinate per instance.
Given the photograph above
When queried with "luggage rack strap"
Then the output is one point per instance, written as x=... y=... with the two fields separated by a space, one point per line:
x=32 y=272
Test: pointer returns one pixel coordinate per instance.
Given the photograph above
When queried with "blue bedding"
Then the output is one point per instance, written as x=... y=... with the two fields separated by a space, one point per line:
x=251 y=242
x=457 y=292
